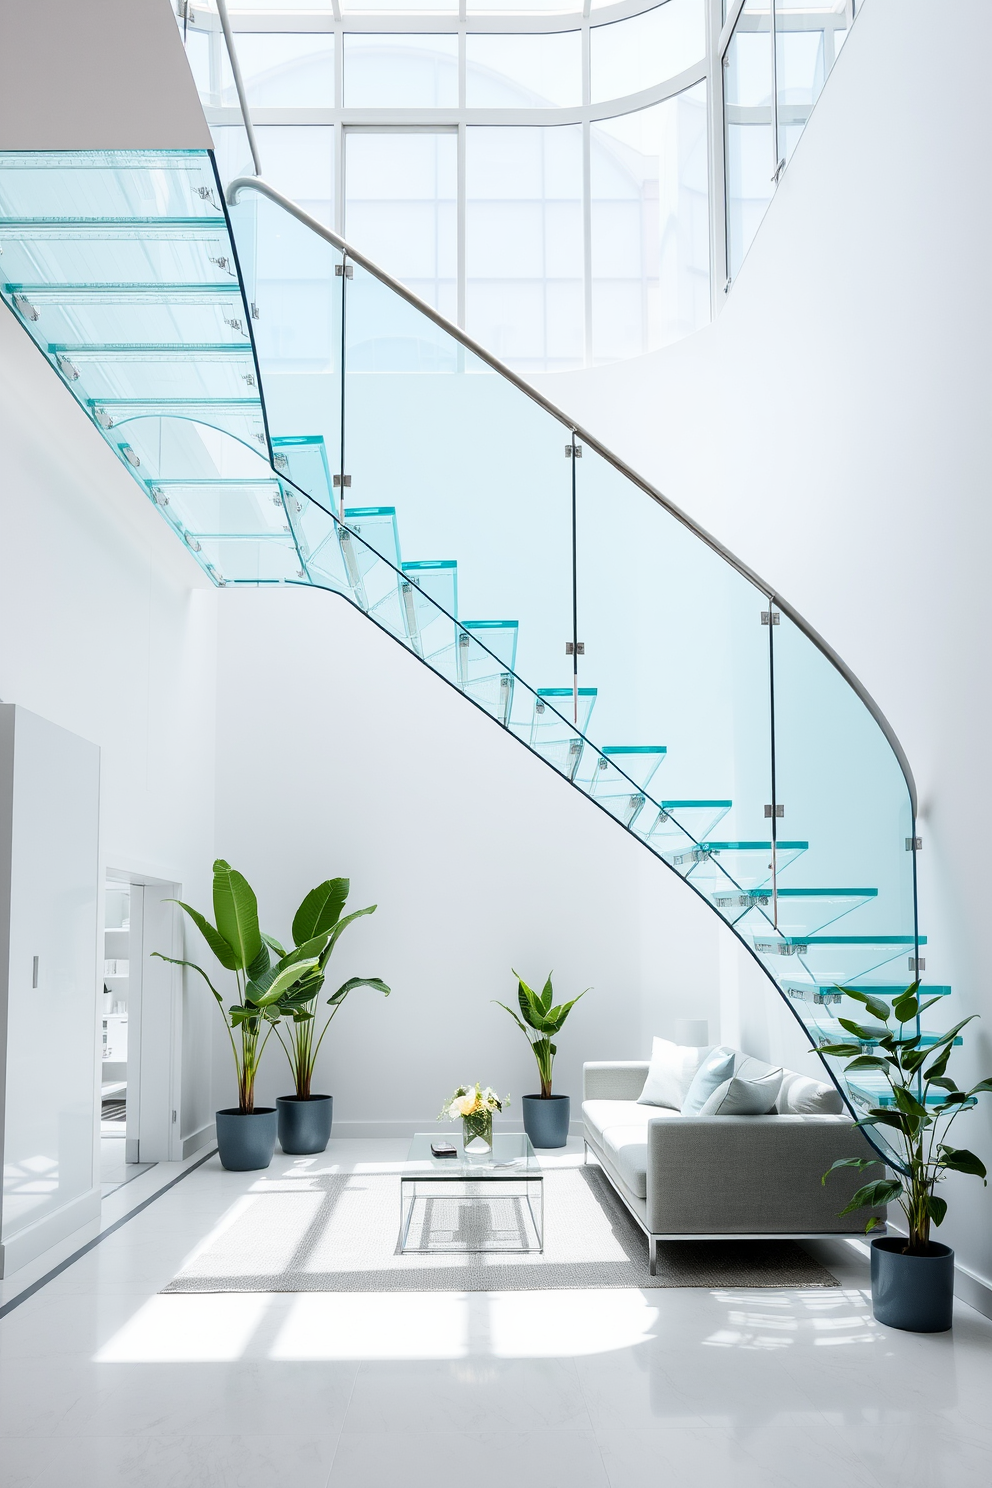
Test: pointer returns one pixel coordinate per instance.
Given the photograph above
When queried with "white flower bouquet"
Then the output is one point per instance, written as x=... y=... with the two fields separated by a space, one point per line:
x=474 y=1107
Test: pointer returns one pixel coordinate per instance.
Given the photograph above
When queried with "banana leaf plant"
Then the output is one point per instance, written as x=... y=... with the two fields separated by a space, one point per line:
x=538 y=1021
x=317 y=927
x=919 y=1122
x=238 y=944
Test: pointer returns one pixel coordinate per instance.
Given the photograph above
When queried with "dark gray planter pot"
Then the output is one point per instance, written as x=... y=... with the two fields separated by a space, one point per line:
x=912 y=1292
x=304 y=1125
x=246 y=1140
x=546 y=1121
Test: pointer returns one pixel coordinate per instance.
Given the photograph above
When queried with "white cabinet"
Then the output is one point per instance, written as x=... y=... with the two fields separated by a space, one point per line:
x=49 y=941
x=115 y=1038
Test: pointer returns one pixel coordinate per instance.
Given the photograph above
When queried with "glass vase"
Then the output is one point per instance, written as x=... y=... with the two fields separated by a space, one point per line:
x=477 y=1135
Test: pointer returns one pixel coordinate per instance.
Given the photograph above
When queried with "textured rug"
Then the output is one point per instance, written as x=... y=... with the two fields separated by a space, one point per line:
x=336 y=1232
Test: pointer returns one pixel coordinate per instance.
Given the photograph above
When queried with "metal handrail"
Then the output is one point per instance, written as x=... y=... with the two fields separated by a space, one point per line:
x=232 y=52
x=263 y=188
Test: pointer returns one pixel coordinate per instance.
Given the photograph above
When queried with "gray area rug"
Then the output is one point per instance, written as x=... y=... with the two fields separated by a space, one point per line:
x=334 y=1232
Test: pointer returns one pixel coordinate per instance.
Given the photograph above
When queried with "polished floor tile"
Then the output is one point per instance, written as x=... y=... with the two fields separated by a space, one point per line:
x=104 y=1381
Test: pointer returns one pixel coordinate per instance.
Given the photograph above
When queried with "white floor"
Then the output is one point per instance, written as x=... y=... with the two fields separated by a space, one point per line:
x=103 y=1382
x=114 y=1171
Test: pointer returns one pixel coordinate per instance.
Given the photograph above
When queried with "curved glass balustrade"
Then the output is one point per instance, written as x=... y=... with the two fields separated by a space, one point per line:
x=399 y=467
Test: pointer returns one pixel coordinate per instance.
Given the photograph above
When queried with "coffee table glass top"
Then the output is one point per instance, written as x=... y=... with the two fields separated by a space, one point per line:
x=512 y=1157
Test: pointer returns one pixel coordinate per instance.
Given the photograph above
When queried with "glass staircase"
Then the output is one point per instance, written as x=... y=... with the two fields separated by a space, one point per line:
x=299 y=418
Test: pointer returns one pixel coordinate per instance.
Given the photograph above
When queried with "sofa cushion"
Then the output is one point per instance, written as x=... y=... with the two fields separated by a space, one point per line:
x=670 y=1073
x=801 y=1096
x=744 y=1095
x=621 y=1129
x=715 y=1068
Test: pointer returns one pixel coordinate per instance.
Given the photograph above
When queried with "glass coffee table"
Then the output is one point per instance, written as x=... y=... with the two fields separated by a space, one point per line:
x=464 y=1204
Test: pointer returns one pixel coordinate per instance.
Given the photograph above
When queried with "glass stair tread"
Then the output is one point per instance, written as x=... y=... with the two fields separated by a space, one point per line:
x=137 y=229
x=829 y=1031
x=866 y=1092
x=796 y=940
x=149 y=291
x=824 y=991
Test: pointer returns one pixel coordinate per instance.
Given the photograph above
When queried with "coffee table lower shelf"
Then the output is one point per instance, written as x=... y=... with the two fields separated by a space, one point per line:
x=458 y=1206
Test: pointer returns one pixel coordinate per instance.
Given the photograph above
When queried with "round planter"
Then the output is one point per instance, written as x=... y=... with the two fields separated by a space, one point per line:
x=546 y=1121
x=246 y=1139
x=304 y=1125
x=912 y=1292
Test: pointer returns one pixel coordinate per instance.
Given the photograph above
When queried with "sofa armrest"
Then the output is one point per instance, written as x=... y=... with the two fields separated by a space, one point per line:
x=619 y=1080
x=752 y=1175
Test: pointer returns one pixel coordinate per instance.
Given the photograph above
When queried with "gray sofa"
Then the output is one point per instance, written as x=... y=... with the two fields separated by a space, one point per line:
x=712 y=1177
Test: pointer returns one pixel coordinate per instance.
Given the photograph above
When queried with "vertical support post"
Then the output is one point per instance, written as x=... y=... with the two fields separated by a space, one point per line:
x=344 y=309
x=771 y=738
x=573 y=453
x=653 y=1255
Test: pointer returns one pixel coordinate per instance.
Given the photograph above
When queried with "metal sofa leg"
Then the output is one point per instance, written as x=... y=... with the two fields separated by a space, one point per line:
x=653 y=1255
x=585 y=1152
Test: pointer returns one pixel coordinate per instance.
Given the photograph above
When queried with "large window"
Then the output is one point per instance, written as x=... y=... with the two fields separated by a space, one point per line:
x=538 y=170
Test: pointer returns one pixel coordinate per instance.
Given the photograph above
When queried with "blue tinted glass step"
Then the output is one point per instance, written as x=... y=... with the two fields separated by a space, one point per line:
x=485 y=655
x=620 y=776
x=806 y=910
x=824 y=991
x=829 y=1030
x=554 y=732
x=429 y=598
x=303 y=459
x=867 y=1092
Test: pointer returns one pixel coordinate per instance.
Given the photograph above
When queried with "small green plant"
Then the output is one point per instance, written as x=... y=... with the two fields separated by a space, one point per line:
x=317 y=921
x=921 y=1126
x=539 y=1021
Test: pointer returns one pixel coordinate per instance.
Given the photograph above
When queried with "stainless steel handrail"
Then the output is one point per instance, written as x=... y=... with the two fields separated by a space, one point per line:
x=254 y=183
x=232 y=52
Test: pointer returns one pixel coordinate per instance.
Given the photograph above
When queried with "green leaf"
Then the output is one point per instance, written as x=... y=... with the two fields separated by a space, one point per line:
x=321 y=909
x=273 y=944
x=873 y=1223
x=270 y=987
x=875 y=1006
x=521 y=1026
x=907 y=1102
x=547 y=994
x=225 y=953
x=936 y=1208
x=236 y=913
x=907 y=1007
x=838 y=1051
x=982 y=1088
x=310 y=950
x=960 y=1160
x=939 y=1065
x=868 y=1062
x=860 y=1030
x=261 y=963
x=338 y=929
x=952 y=1033
x=376 y=983
x=239 y=1014
x=851 y=1162
x=173 y=961
x=874 y=1195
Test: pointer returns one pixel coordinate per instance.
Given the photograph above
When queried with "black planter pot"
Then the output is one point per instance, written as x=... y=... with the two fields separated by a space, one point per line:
x=304 y=1125
x=245 y=1139
x=546 y=1121
x=913 y=1292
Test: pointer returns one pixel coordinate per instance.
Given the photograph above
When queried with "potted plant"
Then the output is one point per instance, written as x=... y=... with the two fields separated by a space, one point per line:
x=912 y=1276
x=246 y=1133
x=475 y=1107
x=546 y=1116
x=305 y=1118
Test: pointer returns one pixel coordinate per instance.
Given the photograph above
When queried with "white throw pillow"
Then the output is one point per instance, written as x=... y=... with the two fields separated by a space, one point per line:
x=716 y=1068
x=741 y=1096
x=672 y=1070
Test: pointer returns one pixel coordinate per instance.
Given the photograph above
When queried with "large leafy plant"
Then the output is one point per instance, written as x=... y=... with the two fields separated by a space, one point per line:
x=916 y=1124
x=317 y=927
x=539 y=1021
x=240 y=947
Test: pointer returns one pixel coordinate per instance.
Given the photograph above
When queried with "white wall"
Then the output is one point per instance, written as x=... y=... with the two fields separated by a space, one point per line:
x=831 y=429
x=107 y=629
x=340 y=753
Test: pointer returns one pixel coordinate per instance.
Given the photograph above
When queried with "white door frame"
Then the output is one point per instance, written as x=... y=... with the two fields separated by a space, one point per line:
x=155 y=1020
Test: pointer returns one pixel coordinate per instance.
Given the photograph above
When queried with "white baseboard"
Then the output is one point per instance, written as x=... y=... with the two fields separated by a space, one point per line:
x=410 y=1128
x=36 y=1238
x=202 y=1137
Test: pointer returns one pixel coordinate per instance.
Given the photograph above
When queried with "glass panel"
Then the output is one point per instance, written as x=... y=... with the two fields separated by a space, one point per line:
x=400 y=207
x=523 y=71
x=750 y=146
x=289 y=276
x=524 y=244
x=845 y=913
x=298 y=160
x=282 y=70
x=628 y=56
x=650 y=226
x=411 y=71
x=681 y=731
x=457 y=495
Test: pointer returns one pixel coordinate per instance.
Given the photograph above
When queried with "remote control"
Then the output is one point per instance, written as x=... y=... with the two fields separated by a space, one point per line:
x=444 y=1149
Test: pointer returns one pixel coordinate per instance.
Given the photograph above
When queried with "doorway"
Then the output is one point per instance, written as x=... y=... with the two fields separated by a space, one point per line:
x=140 y=1023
